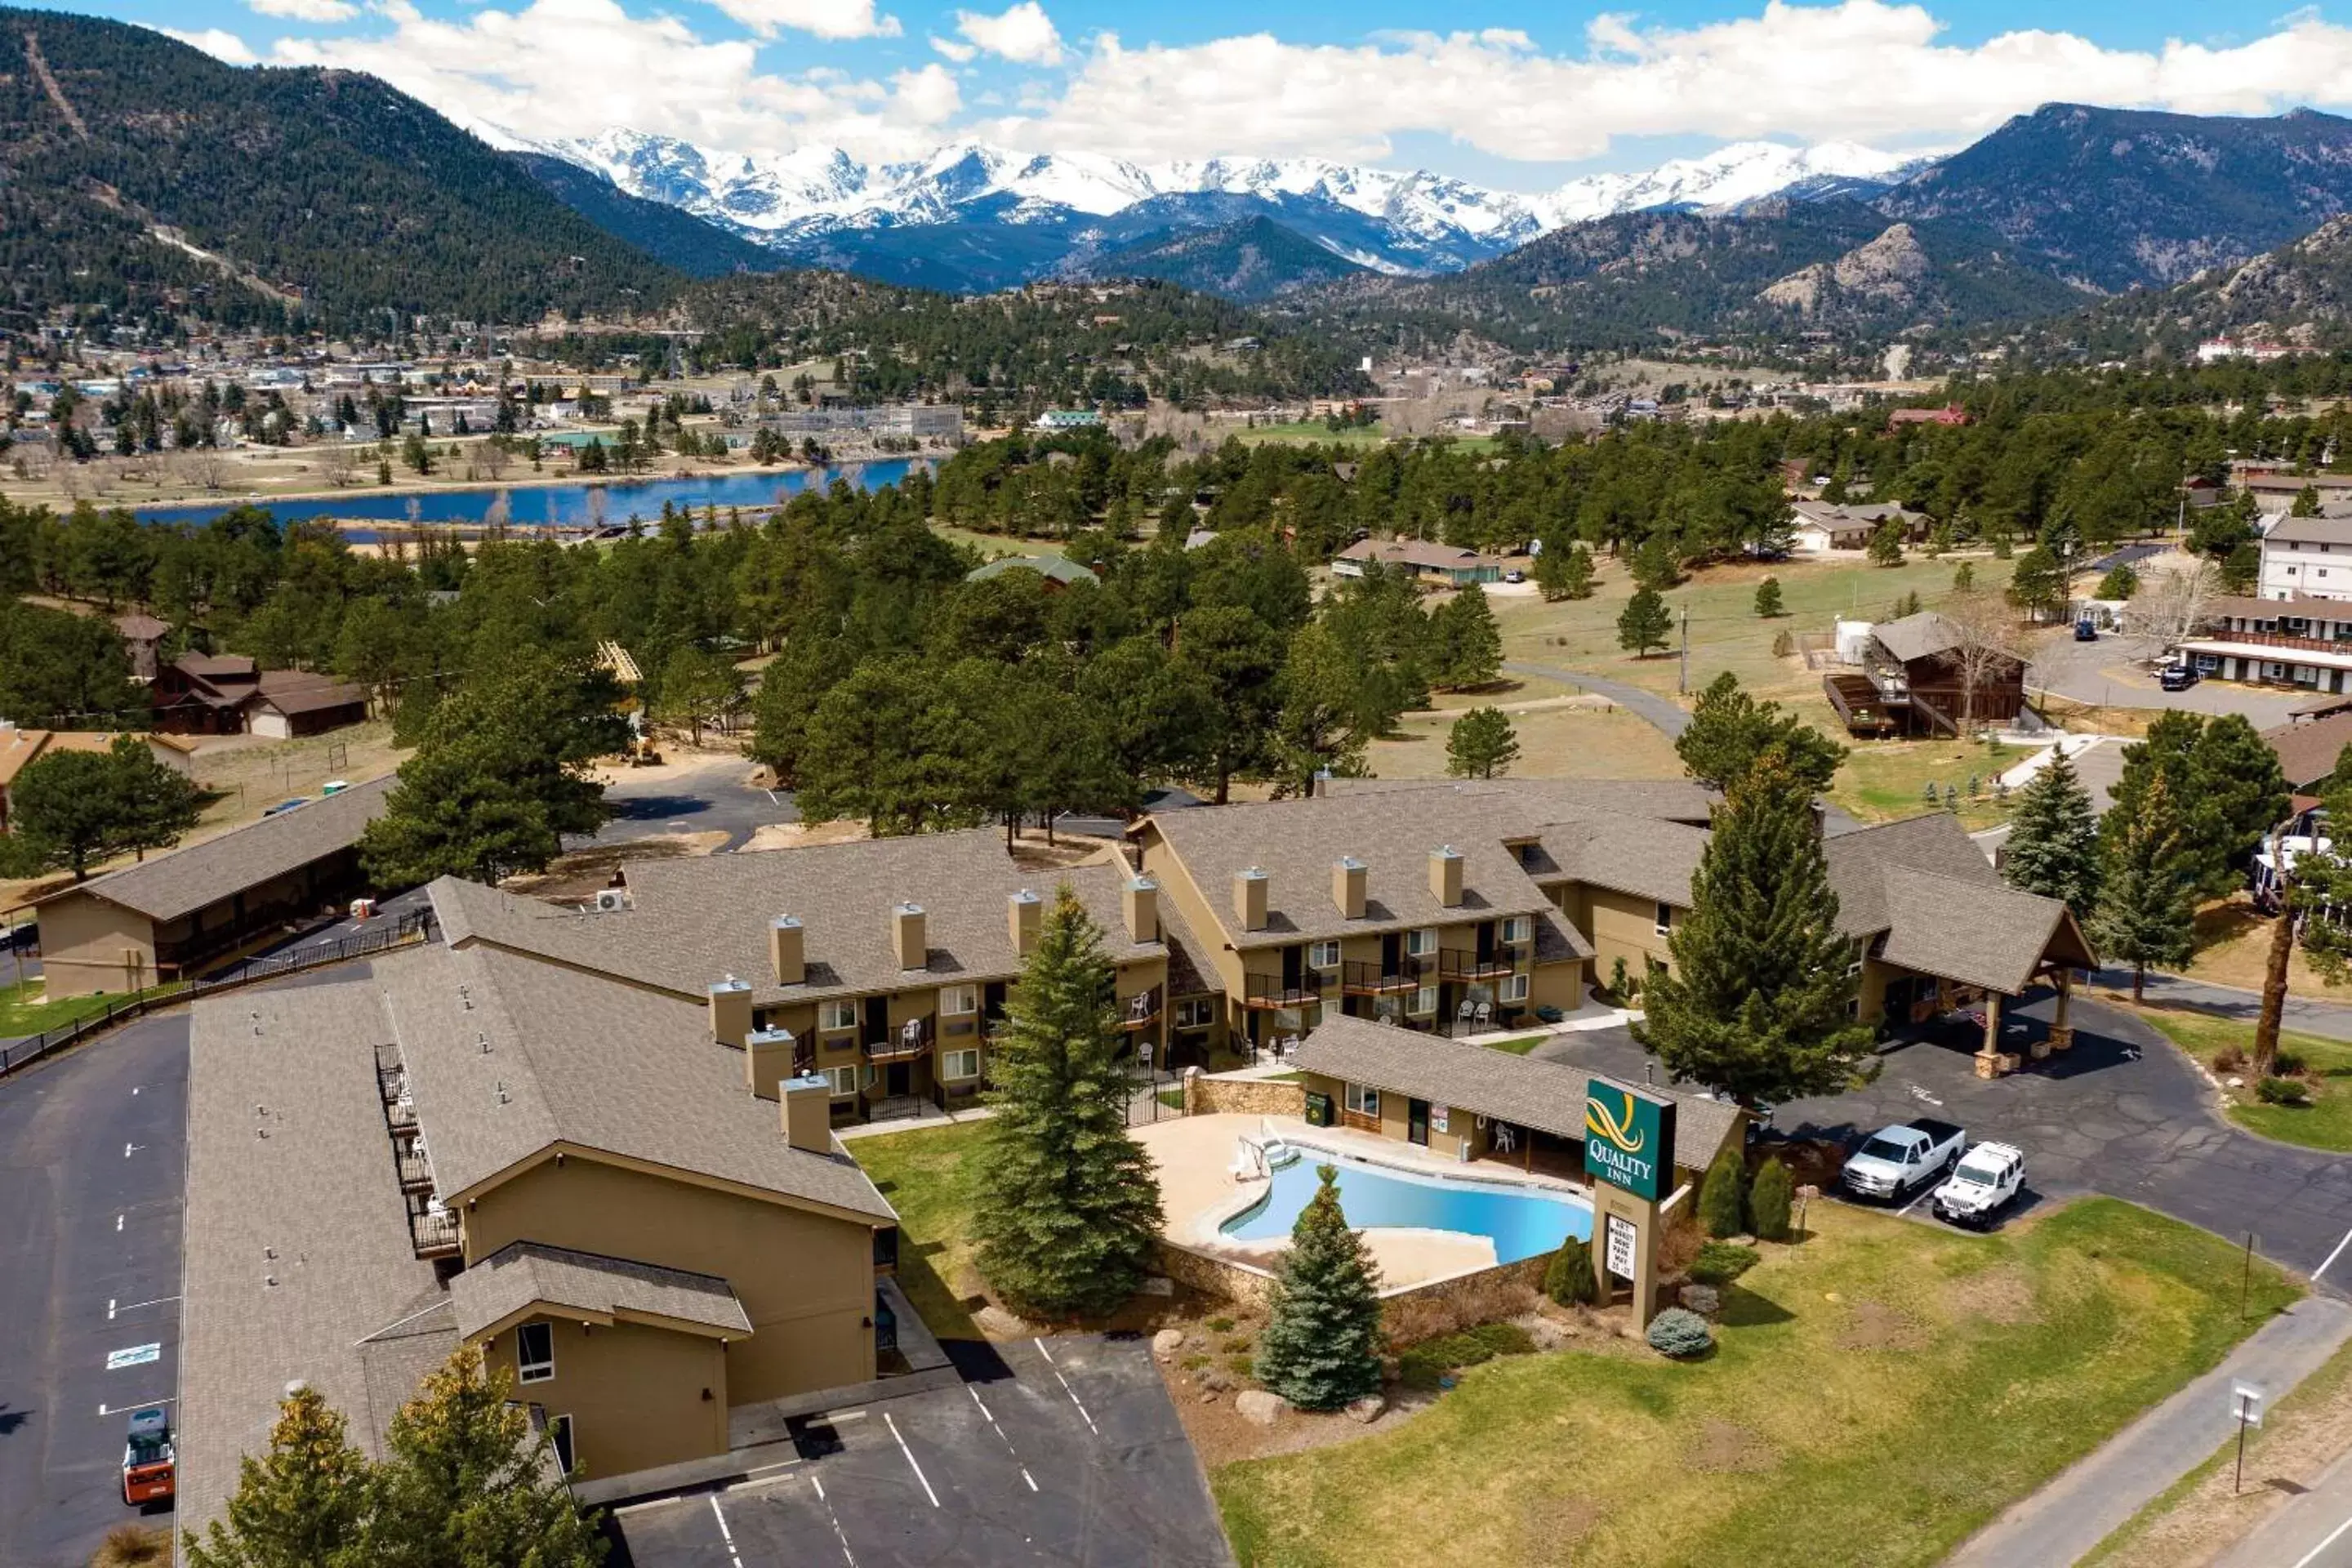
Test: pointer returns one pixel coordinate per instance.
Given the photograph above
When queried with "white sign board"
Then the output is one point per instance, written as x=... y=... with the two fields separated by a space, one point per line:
x=2246 y=1403
x=1617 y=1248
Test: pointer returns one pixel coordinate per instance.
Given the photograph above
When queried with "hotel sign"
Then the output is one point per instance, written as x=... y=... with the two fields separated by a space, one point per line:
x=1628 y=1139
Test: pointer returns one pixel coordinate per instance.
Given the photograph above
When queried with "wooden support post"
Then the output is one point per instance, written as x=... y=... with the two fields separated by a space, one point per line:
x=1988 y=1059
x=2062 y=1028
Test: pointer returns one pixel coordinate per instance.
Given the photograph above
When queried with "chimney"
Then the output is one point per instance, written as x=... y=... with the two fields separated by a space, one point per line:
x=787 y=950
x=1249 y=898
x=808 y=1113
x=1445 y=876
x=1025 y=917
x=906 y=938
x=1349 y=880
x=730 y=1012
x=767 y=1060
x=1140 y=901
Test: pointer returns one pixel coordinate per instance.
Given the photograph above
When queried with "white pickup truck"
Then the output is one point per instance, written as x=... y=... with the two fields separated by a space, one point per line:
x=1988 y=1177
x=1894 y=1160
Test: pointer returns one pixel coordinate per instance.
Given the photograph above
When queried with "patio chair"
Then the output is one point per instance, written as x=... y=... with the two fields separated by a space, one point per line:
x=1505 y=1138
x=1467 y=1011
x=1486 y=1013
x=910 y=1032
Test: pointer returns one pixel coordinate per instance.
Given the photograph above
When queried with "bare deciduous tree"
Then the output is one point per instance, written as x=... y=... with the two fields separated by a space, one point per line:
x=338 y=461
x=2171 y=602
x=1985 y=647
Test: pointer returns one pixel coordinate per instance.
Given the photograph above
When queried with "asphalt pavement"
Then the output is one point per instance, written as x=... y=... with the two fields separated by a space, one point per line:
x=719 y=796
x=2112 y=673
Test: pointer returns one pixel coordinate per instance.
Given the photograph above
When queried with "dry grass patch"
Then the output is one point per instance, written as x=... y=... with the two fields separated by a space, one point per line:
x=1875 y=1326
x=1561 y=738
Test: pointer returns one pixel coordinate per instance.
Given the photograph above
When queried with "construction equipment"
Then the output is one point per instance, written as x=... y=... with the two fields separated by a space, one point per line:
x=150 y=1459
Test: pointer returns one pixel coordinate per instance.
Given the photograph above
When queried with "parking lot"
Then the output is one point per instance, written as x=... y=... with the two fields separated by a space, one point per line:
x=91 y=1158
x=1061 y=1451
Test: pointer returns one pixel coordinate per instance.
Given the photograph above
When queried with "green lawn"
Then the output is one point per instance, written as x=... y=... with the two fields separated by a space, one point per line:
x=1519 y=1047
x=1883 y=779
x=1875 y=1395
x=2325 y=1124
x=19 y=1016
x=1309 y=432
x=928 y=1177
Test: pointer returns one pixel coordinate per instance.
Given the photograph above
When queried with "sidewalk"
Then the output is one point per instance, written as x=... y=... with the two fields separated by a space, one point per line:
x=2327 y=1018
x=2065 y=1519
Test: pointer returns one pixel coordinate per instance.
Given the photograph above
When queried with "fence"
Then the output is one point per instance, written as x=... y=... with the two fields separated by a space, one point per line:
x=410 y=929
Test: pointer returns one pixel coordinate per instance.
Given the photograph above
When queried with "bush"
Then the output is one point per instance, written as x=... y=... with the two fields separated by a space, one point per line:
x=1722 y=1201
x=1783 y=644
x=1219 y=1325
x=1721 y=1262
x=1680 y=1334
x=2282 y=1091
x=1424 y=1365
x=133 y=1546
x=1569 y=1280
x=1769 y=1198
x=2229 y=1058
x=2286 y=1064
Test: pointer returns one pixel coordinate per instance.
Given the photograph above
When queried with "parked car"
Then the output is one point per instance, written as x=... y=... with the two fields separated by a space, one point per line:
x=1893 y=1160
x=2086 y=630
x=1987 y=1179
x=1515 y=575
x=2178 y=677
x=150 y=1471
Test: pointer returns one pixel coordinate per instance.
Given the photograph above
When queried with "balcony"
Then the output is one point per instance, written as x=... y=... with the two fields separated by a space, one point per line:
x=434 y=1233
x=2282 y=640
x=415 y=1170
x=1274 y=991
x=1141 y=1010
x=911 y=1038
x=1372 y=979
x=1456 y=965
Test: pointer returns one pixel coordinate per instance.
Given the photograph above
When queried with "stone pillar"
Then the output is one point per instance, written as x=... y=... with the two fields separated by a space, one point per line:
x=1989 y=1063
x=2061 y=1030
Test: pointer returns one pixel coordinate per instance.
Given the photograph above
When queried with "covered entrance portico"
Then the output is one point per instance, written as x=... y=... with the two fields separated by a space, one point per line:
x=1978 y=977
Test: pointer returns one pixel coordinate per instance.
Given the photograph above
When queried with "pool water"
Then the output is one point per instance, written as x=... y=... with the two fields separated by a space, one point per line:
x=1521 y=1221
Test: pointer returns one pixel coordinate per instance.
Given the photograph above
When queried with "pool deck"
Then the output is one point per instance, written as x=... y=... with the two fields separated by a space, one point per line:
x=1198 y=1193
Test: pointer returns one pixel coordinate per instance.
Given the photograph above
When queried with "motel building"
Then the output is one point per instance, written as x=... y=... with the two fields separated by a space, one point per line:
x=2304 y=641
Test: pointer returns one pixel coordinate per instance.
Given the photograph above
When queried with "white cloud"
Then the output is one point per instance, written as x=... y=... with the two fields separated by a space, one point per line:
x=307 y=10
x=548 y=70
x=826 y=18
x=217 y=42
x=962 y=53
x=1023 y=34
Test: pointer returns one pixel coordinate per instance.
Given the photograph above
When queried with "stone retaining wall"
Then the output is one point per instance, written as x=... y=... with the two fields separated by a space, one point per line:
x=1212 y=1276
x=1207 y=1096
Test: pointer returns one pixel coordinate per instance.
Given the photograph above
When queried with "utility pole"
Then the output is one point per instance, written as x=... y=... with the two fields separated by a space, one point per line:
x=2274 y=972
x=1682 y=677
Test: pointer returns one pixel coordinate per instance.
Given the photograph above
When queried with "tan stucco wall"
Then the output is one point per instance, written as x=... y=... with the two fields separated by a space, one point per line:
x=83 y=940
x=806 y=1279
x=1621 y=926
x=635 y=1392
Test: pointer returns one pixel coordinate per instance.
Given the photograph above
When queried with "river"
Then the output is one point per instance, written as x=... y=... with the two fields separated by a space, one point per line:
x=545 y=506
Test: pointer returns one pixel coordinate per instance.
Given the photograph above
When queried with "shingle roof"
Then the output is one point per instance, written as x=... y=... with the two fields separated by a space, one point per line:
x=2323 y=530
x=165 y=887
x=1922 y=635
x=2298 y=607
x=1647 y=859
x=1522 y=1090
x=2308 y=752
x=1943 y=908
x=1410 y=552
x=288 y=1154
x=299 y=691
x=576 y=1058
x=1544 y=800
x=697 y=919
x=1058 y=568
x=524 y=1274
x=19 y=749
x=137 y=627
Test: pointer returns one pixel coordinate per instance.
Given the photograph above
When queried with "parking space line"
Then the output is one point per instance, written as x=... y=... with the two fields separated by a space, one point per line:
x=838 y=1534
x=726 y=1534
x=2332 y=1257
x=891 y=1422
x=136 y=1405
x=1066 y=1385
x=984 y=1410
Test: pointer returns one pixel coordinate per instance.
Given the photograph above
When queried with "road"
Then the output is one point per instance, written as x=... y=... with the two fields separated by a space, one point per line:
x=2330 y=1020
x=716 y=796
x=92 y=1155
x=2104 y=673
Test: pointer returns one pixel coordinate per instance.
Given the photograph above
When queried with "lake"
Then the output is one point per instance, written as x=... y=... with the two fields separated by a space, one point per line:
x=548 y=506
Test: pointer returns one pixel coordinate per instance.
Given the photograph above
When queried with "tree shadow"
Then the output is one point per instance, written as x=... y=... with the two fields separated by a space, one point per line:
x=1741 y=1308
x=10 y=1418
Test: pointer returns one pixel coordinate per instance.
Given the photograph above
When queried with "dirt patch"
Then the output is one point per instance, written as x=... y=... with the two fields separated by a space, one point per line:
x=799 y=835
x=581 y=873
x=1553 y=1525
x=1725 y=1446
x=1031 y=852
x=1875 y=1326
x=2002 y=1295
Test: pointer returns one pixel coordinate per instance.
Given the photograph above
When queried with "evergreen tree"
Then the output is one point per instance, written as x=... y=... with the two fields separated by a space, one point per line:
x=1481 y=745
x=2039 y=586
x=1886 y=544
x=2240 y=792
x=301 y=1505
x=1964 y=578
x=1729 y=730
x=1569 y=1278
x=1770 y=1198
x=2307 y=502
x=1754 y=1005
x=2321 y=880
x=2120 y=582
x=1565 y=572
x=1466 y=645
x=1656 y=563
x=2148 y=903
x=1321 y=1348
x=1646 y=622
x=2054 y=838
x=1071 y=1205
x=1767 y=598
x=1723 y=1197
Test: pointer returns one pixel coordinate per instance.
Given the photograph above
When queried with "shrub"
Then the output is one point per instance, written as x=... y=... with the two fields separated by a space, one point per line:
x=1681 y=1334
x=2229 y=1058
x=1242 y=1365
x=1418 y=1368
x=1721 y=1262
x=1783 y=644
x=1722 y=1201
x=1569 y=1280
x=1621 y=984
x=1424 y=1365
x=133 y=1546
x=1220 y=1325
x=2282 y=1091
x=1238 y=1343
x=1769 y=1198
x=2286 y=1064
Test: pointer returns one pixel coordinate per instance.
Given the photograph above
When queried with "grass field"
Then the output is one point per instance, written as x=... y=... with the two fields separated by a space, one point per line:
x=1519 y=1047
x=1308 y=432
x=928 y=1177
x=1875 y=1394
x=1883 y=779
x=1557 y=741
x=2325 y=1124
x=19 y=1016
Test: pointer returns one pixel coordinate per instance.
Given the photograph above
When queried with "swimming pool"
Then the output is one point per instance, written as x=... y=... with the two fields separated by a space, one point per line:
x=1520 y=1221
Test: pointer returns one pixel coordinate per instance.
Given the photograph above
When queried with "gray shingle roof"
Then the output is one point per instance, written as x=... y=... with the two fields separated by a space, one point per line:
x=524 y=1274
x=1522 y=1090
x=165 y=887
x=301 y=691
x=2330 y=527
x=1544 y=800
x=2308 y=752
x=1943 y=908
x=576 y=1058
x=1922 y=635
x=288 y=1153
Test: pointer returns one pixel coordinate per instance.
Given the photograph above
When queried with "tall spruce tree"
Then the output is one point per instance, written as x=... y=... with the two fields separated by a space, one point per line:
x=2148 y=901
x=1645 y=623
x=300 y=1505
x=1481 y=745
x=1729 y=730
x=1071 y=1205
x=1466 y=645
x=2241 y=795
x=1754 y=1005
x=1321 y=1347
x=2054 y=838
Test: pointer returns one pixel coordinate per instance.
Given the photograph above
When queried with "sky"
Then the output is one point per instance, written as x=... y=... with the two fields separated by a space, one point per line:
x=1490 y=92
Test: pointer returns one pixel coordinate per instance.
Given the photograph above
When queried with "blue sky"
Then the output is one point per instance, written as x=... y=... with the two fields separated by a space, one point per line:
x=1491 y=92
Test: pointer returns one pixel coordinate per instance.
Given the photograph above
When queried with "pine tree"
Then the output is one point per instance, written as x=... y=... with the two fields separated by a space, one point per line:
x=300 y=1505
x=1481 y=745
x=1646 y=622
x=2148 y=904
x=2240 y=795
x=1886 y=544
x=1321 y=1348
x=1770 y=1199
x=1754 y=1005
x=1722 y=1198
x=1569 y=1278
x=1767 y=598
x=1071 y=1204
x=1729 y=730
x=2054 y=838
x=1964 y=578
x=1466 y=645
x=1565 y=572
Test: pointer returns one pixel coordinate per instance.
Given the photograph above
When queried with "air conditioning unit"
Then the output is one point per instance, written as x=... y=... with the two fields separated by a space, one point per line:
x=609 y=899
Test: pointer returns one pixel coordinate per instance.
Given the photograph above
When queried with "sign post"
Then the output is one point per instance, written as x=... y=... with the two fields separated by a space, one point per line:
x=1629 y=1152
x=2246 y=1410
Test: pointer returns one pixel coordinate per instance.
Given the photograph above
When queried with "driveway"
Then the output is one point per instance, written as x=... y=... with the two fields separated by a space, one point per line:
x=2123 y=1113
x=1064 y=1451
x=697 y=796
x=2107 y=673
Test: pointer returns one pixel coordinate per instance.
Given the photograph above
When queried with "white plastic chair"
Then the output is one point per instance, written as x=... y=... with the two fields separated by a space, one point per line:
x=1486 y=1013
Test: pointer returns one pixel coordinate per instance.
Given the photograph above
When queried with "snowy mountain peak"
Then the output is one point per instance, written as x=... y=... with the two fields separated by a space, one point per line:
x=1742 y=171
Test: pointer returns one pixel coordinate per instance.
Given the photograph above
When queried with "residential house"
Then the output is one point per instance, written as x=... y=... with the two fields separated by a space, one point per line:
x=2307 y=747
x=204 y=694
x=143 y=637
x=1058 y=571
x=1822 y=525
x=1439 y=565
x=1950 y=413
x=2308 y=557
x=20 y=748
x=2305 y=641
x=287 y=703
x=1926 y=675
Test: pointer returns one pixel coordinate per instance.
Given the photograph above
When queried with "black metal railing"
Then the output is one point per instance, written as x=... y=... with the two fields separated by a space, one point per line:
x=1141 y=1010
x=1365 y=978
x=1275 y=991
x=1453 y=966
x=909 y=1038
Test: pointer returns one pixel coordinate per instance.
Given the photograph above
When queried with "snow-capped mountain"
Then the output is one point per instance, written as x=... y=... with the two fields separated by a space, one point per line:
x=1743 y=172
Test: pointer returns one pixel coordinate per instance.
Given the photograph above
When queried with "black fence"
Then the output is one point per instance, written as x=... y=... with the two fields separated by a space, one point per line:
x=408 y=931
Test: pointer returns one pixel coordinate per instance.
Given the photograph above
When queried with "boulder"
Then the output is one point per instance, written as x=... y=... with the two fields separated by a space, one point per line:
x=1212 y=1378
x=1704 y=1299
x=1166 y=1343
x=1366 y=1410
x=1259 y=1407
x=999 y=1324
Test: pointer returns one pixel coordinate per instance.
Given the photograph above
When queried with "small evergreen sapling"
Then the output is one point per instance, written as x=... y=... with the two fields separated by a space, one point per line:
x=1723 y=1197
x=1767 y=598
x=1769 y=1200
x=1321 y=1348
x=1569 y=1279
x=1680 y=1334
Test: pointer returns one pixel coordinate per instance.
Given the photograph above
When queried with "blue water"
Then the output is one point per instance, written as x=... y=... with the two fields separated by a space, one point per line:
x=537 y=505
x=1522 y=1221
